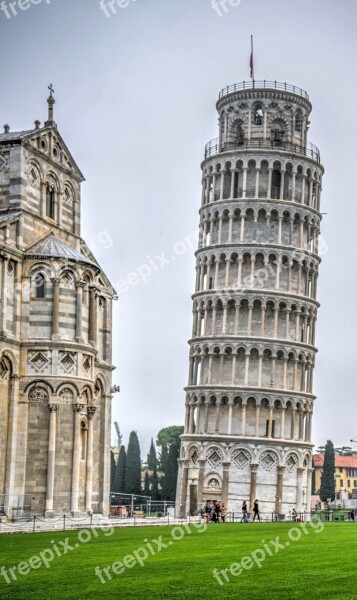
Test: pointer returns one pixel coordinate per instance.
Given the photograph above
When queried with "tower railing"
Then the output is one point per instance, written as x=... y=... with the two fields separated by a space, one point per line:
x=214 y=147
x=263 y=84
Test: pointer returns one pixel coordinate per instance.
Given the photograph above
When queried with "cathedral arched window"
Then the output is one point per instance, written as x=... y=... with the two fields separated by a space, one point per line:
x=50 y=201
x=40 y=286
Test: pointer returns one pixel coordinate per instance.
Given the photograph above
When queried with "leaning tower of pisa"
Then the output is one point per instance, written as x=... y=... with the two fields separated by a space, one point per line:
x=249 y=399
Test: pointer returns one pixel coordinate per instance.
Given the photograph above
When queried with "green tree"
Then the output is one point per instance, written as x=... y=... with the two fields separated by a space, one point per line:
x=328 y=483
x=170 y=478
x=344 y=451
x=163 y=459
x=152 y=459
x=113 y=466
x=169 y=441
x=155 y=494
x=133 y=466
x=147 y=484
x=169 y=435
x=119 y=478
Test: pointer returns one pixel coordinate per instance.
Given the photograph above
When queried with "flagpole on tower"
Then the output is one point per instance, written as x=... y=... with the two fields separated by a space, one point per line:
x=252 y=60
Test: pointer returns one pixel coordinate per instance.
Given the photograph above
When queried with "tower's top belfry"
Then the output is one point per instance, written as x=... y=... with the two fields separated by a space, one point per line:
x=259 y=114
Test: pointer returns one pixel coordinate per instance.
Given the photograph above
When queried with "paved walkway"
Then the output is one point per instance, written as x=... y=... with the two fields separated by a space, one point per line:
x=39 y=524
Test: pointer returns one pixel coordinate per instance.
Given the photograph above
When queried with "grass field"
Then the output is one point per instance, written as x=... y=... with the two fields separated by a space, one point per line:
x=302 y=563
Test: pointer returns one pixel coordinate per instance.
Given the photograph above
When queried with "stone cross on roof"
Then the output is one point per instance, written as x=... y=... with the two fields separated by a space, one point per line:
x=50 y=101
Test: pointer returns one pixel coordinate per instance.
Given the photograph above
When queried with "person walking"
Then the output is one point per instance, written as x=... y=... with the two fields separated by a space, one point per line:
x=244 y=518
x=207 y=511
x=217 y=510
x=223 y=512
x=256 y=510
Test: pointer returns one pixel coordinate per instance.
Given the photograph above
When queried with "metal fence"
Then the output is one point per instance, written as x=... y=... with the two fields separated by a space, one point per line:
x=325 y=515
x=130 y=505
x=263 y=84
x=214 y=147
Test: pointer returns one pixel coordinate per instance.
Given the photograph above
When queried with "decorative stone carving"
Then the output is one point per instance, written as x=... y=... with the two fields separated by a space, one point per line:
x=67 y=360
x=39 y=361
x=215 y=457
x=38 y=395
x=66 y=395
x=194 y=457
x=241 y=458
x=268 y=460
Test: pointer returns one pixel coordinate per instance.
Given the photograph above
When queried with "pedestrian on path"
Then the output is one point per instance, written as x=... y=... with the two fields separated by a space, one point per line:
x=244 y=518
x=256 y=510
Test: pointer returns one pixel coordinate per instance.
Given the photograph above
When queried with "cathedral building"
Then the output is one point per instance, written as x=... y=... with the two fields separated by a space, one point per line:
x=55 y=334
x=249 y=399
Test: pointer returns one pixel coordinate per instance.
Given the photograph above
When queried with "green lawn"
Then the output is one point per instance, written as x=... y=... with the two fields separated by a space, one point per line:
x=320 y=565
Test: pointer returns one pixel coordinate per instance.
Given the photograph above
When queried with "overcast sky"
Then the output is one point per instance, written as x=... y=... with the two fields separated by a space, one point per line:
x=135 y=102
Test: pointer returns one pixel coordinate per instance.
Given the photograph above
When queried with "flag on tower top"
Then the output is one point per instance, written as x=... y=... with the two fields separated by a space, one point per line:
x=251 y=63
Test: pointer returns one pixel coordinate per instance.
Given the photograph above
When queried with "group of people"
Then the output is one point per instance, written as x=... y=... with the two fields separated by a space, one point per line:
x=216 y=512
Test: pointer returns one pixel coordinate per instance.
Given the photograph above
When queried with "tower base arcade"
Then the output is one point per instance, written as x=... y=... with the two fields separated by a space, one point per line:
x=278 y=474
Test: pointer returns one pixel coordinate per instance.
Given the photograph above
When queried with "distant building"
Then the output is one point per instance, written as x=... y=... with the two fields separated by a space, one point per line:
x=345 y=473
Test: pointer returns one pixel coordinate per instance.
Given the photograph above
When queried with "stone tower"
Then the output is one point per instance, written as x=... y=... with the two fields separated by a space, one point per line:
x=55 y=335
x=250 y=395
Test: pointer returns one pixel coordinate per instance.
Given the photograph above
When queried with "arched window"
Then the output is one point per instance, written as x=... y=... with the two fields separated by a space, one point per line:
x=298 y=121
x=258 y=115
x=275 y=183
x=50 y=201
x=277 y=134
x=240 y=135
x=40 y=286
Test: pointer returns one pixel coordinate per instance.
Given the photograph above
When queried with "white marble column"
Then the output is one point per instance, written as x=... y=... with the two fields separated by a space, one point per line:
x=76 y=458
x=51 y=460
x=230 y=416
x=89 y=464
x=55 y=308
x=300 y=472
x=92 y=335
x=79 y=317
x=244 y=415
x=257 y=419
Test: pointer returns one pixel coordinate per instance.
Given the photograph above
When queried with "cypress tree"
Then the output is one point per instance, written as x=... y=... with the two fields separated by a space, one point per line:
x=119 y=478
x=155 y=486
x=113 y=466
x=146 y=484
x=328 y=483
x=163 y=458
x=133 y=466
x=170 y=479
x=152 y=460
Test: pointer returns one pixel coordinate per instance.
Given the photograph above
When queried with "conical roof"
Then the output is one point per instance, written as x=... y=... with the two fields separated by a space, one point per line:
x=52 y=247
